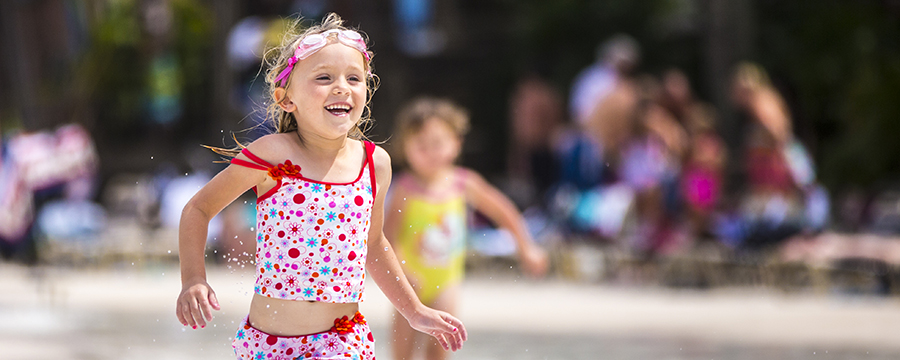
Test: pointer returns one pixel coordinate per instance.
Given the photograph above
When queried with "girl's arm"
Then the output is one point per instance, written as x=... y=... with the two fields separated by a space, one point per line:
x=197 y=299
x=497 y=207
x=769 y=109
x=383 y=267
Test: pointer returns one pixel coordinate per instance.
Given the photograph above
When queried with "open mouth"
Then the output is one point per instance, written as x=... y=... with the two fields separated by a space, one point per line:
x=339 y=109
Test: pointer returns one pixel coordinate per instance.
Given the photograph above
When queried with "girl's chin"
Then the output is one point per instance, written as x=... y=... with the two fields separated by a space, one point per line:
x=426 y=172
x=342 y=123
x=350 y=118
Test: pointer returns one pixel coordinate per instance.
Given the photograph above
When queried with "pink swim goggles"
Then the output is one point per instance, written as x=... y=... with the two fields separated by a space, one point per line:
x=312 y=43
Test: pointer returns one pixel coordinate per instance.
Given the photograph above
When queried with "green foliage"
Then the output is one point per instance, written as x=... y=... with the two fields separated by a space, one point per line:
x=843 y=58
x=566 y=34
x=114 y=71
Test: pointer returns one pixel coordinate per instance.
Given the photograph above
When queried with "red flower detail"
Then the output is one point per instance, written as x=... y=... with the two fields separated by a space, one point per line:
x=359 y=319
x=286 y=169
x=344 y=325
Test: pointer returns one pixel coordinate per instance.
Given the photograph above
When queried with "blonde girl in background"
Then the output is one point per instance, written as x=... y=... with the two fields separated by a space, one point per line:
x=426 y=218
x=773 y=202
x=319 y=213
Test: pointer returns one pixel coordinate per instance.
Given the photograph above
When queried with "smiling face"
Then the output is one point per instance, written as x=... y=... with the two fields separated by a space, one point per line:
x=431 y=149
x=327 y=91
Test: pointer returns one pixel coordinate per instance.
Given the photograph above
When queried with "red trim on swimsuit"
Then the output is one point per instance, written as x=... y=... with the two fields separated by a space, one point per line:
x=255 y=158
x=370 y=149
x=260 y=164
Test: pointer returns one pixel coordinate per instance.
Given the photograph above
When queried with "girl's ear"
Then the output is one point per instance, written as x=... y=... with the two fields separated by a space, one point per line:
x=283 y=100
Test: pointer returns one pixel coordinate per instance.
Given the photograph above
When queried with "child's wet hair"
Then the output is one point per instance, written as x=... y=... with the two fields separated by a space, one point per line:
x=276 y=60
x=417 y=112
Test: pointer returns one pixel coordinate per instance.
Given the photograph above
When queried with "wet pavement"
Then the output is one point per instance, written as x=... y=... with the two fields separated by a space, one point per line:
x=126 y=312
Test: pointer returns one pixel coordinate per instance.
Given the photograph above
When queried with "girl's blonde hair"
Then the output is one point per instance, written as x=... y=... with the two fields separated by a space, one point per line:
x=417 y=112
x=276 y=60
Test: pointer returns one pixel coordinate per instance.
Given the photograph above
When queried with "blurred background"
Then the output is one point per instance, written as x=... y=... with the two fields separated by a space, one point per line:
x=712 y=179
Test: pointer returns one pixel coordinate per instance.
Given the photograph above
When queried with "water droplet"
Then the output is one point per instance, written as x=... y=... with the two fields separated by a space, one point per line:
x=438 y=286
x=163 y=274
x=170 y=251
x=267 y=306
x=403 y=262
x=385 y=248
x=399 y=211
x=398 y=278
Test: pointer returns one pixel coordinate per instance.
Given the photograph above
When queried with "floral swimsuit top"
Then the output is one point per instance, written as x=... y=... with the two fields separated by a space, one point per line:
x=311 y=236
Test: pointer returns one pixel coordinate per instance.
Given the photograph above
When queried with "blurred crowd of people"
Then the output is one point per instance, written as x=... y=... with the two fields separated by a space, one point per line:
x=630 y=159
x=642 y=165
x=47 y=186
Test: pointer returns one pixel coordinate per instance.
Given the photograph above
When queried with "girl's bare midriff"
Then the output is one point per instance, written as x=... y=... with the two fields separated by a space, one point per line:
x=293 y=317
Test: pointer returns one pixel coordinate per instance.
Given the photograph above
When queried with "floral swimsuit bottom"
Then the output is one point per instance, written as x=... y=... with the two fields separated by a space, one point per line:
x=348 y=339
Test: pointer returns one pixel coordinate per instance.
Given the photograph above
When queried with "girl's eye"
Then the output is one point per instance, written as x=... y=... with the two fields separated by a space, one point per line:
x=353 y=78
x=323 y=77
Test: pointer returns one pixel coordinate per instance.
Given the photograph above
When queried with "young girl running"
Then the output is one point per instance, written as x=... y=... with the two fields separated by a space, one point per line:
x=319 y=216
x=427 y=211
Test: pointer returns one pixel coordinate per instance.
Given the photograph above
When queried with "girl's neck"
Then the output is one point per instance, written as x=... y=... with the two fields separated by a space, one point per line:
x=320 y=147
x=434 y=179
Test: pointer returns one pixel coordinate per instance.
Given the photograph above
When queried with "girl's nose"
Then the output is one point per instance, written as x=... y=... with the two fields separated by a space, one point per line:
x=340 y=89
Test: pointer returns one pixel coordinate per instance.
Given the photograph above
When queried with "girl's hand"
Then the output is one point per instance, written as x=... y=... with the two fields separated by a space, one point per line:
x=534 y=260
x=195 y=304
x=448 y=330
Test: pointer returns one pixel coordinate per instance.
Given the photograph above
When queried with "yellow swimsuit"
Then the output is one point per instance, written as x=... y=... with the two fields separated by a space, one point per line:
x=431 y=239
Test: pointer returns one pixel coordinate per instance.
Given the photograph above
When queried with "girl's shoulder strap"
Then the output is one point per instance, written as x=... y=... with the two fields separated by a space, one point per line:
x=257 y=163
x=370 y=149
